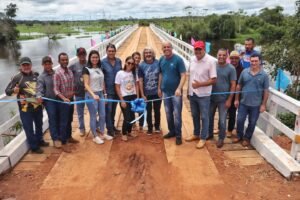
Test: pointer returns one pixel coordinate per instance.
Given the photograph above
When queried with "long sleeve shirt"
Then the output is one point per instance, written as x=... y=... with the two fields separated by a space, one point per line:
x=63 y=81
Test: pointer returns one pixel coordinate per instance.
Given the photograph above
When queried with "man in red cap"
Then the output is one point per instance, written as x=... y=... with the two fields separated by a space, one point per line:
x=202 y=75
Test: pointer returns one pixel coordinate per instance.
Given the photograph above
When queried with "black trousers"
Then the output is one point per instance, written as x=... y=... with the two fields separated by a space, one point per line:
x=155 y=105
x=128 y=115
x=232 y=117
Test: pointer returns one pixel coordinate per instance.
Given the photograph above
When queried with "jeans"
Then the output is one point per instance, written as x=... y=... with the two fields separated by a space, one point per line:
x=64 y=113
x=28 y=119
x=110 y=110
x=128 y=115
x=200 y=106
x=80 y=112
x=232 y=117
x=222 y=118
x=70 y=120
x=96 y=108
x=156 y=106
x=253 y=113
x=53 y=117
x=173 y=107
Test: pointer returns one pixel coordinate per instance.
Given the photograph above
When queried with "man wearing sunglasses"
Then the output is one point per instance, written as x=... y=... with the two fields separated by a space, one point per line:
x=202 y=76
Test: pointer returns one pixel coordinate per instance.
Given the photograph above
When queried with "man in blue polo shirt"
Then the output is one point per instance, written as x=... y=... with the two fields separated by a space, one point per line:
x=110 y=66
x=171 y=80
x=254 y=84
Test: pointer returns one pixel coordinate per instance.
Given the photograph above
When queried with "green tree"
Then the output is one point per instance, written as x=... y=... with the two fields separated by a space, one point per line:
x=272 y=16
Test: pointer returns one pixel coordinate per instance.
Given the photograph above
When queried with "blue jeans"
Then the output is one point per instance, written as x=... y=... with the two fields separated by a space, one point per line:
x=253 y=113
x=80 y=112
x=64 y=121
x=110 y=109
x=28 y=119
x=200 y=106
x=222 y=118
x=96 y=108
x=173 y=107
x=52 y=111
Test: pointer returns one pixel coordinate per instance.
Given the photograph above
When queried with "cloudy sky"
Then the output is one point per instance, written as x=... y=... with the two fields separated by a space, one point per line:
x=113 y=9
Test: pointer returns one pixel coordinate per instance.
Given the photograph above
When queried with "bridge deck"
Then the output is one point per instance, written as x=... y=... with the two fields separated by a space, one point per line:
x=146 y=167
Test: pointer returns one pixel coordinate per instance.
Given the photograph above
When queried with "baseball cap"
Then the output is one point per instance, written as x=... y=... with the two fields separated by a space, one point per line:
x=199 y=45
x=47 y=59
x=25 y=60
x=234 y=54
x=81 y=51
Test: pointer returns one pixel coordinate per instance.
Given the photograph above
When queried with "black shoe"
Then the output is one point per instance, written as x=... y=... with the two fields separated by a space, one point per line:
x=210 y=137
x=117 y=131
x=43 y=144
x=168 y=135
x=220 y=143
x=38 y=151
x=149 y=132
x=111 y=133
x=178 y=141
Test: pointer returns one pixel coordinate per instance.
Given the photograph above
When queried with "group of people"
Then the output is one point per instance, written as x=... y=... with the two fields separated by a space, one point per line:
x=101 y=84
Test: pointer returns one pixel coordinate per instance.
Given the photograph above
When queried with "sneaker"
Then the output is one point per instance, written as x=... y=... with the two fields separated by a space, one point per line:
x=43 y=144
x=220 y=143
x=216 y=131
x=72 y=140
x=236 y=140
x=124 y=138
x=106 y=137
x=157 y=130
x=149 y=132
x=132 y=134
x=38 y=151
x=192 y=138
x=57 y=144
x=111 y=133
x=200 y=144
x=98 y=140
x=168 y=135
x=178 y=141
x=82 y=132
x=229 y=134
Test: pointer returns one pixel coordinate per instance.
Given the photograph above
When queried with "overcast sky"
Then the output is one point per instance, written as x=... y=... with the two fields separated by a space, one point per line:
x=113 y=9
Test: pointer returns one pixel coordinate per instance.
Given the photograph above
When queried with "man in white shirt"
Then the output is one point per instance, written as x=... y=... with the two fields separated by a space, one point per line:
x=202 y=76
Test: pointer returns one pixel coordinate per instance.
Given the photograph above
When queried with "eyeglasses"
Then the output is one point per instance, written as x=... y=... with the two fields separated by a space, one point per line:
x=130 y=63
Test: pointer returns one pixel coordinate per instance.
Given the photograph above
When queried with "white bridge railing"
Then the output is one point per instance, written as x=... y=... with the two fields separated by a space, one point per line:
x=14 y=151
x=285 y=163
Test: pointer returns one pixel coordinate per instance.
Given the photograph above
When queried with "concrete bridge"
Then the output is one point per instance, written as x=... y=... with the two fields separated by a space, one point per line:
x=149 y=167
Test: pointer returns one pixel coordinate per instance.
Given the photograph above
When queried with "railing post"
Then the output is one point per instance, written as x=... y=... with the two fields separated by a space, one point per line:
x=1 y=142
x=273 y=111
x=296 y=143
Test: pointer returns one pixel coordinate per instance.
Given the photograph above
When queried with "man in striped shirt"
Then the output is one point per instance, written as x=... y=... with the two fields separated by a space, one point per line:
x=63 y=81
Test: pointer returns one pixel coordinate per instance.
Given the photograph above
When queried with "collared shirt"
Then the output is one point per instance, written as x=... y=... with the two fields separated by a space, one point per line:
x=245 y=60
x=253 y=87
x=45 y=85
x=63 y=81
x=171 y=70
x=77 y=68
x=201 y=71
x=110 y=73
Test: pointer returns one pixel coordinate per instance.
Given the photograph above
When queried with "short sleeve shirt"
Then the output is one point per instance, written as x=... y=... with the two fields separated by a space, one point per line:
x=127 y=81
x=150 y=74
x=110 y=73
x=201 y=71
x=171 y=70
x=253 y=87
x=225 y=74
x=96 y=78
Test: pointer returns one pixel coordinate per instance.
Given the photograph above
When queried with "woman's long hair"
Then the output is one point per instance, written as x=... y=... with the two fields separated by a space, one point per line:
x=89 y=63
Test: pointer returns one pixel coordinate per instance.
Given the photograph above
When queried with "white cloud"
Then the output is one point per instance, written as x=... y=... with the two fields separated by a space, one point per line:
x=95 y=9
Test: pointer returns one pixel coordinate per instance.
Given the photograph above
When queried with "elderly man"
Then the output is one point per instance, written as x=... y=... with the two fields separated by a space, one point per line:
x=148 y=76
x=171 y=80
x=203 y=75
x=23 y=85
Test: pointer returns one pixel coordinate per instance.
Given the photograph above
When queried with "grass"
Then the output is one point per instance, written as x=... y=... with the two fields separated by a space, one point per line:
x=39 y=28
x=240 y=38
x=30 y=37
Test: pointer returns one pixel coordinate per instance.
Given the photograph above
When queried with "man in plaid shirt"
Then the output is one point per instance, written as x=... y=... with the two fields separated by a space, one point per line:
x=63 y=81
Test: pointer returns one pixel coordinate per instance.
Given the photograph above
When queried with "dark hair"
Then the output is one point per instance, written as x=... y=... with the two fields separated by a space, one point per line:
x=136 y=53
x=89 y=63
x=62 y=54
x=133 y=69
x=110 y=45
x=250 y=39
x=222 y=49
x=256 y=55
